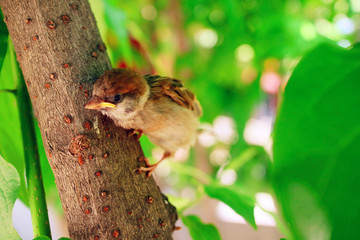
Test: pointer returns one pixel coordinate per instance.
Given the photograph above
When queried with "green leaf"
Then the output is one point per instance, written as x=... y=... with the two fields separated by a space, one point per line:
x=179 y=202
x=9 y=188
x=316 y=146
x=241 y=203
x=116 y=20
x=11 y=145
x=200 y=231
x=64 y=238
x=245 y=156
x=3 y=39
x=42 y=238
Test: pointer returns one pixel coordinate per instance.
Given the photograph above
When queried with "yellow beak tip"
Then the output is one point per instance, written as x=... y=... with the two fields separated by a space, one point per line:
x=99 y=105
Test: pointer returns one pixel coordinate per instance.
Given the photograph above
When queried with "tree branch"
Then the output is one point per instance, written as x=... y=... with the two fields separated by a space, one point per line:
x=61 y=54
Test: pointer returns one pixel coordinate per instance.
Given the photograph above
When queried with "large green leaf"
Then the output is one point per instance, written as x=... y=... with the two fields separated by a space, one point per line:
x=3 y=39
x=11 y=146
x=9 y=187
x=116 y=20
x=241 y=203
x=199 y=230
x=316 y=146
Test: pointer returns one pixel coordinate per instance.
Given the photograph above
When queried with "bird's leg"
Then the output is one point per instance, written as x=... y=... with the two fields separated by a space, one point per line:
x=150 y=168
x=144 y=159
x=134 y=131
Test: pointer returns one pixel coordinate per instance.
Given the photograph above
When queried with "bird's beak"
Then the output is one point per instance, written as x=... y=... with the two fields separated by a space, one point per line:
x=98 y=103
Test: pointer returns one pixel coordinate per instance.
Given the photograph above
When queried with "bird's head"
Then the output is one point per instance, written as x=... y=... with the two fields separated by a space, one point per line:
x=119 y=92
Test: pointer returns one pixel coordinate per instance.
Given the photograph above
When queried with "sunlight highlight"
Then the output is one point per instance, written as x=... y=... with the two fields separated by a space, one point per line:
x=228 y=177
x=219 y=156
x=344 y=43
x=355 y=5
x=344 y=24
x=308 y=31
x=207 y=38
x=225 y=129
x=257 y=131
x=149 y=12
x=244 y=53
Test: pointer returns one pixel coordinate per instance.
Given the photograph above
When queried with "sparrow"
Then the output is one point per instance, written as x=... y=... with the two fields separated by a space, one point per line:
x=160 y=107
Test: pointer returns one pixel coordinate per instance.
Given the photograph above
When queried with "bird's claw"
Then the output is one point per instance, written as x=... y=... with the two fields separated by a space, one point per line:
x=148 y=170
x=137 y=132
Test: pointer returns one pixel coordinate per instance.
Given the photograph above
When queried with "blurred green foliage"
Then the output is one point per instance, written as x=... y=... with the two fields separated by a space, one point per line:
x=234 y=198
x=10 y=141
x=9 y=187
x=237 y=55
x=199 y=230
x=316 y=139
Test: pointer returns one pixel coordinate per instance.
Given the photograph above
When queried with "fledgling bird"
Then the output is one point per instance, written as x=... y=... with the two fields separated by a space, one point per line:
x=160 y=107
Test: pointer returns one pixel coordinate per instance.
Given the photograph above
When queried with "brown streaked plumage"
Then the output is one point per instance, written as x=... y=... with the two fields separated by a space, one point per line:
x=174 y=89
x=160 y=107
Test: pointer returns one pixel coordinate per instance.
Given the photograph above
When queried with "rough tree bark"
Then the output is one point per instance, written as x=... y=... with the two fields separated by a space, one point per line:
x=61 y=54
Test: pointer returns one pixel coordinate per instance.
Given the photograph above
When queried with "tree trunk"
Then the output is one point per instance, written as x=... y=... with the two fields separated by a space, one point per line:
x=61 y=54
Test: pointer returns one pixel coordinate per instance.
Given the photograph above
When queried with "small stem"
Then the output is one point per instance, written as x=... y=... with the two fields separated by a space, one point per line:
x=36 y=193
x=199 y=194
x=193 y=172
x=245 y=156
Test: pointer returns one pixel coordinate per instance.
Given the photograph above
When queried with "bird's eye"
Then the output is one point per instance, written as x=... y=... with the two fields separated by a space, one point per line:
x=117 y=98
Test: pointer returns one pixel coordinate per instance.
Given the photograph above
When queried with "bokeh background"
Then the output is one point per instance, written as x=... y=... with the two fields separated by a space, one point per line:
x=236 y=56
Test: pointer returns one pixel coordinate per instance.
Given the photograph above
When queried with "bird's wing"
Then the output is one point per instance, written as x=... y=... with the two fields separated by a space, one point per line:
x=175 y=90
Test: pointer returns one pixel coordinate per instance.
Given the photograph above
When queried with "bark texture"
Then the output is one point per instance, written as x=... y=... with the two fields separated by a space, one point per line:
x=61 y=54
